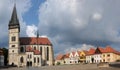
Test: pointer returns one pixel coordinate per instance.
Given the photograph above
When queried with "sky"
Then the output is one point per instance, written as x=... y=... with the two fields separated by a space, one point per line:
x=69 y=24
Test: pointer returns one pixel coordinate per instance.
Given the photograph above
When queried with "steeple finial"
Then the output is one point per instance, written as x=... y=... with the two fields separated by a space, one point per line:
x=37 y=33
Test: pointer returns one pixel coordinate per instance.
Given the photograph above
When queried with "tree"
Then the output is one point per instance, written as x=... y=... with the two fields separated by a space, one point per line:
x=58 y=63
x=5 y=53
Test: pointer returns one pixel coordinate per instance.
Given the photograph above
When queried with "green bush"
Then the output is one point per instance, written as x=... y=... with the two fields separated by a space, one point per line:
x=58 y=63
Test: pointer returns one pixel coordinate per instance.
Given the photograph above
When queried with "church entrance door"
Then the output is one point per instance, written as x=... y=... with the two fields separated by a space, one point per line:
x=29 y=63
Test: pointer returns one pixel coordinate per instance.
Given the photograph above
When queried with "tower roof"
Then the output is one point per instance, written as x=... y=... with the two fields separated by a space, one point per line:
x=14 y=19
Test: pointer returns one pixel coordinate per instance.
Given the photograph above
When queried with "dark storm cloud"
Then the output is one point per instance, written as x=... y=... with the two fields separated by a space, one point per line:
x=94 y=22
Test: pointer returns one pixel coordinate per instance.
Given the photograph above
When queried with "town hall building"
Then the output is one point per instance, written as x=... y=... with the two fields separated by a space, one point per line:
x=28 y=51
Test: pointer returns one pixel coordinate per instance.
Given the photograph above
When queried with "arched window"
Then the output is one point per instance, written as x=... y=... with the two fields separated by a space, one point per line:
x=41 y=50
x=38 y=59
x=21 y=59
x=34 y=60
x=21 y=49
x=47 y=53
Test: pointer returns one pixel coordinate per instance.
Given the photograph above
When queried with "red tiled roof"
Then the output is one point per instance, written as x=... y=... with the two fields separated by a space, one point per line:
x=60 y=57
x=34 y=40
x=66 y=55
x=91 y=51
x=101 y=49
x=109 y=49
x=29 y=49
x=36 y=52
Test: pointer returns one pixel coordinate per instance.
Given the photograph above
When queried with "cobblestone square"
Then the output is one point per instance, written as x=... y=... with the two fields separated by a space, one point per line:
x=66 y=67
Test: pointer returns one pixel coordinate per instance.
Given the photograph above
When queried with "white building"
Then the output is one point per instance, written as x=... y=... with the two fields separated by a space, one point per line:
x=74 y=57
x=94 y=56
x=28 y=51
x=89 y=56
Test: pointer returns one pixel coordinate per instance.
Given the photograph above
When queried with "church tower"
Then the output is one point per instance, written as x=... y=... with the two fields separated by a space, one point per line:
x=14 y=31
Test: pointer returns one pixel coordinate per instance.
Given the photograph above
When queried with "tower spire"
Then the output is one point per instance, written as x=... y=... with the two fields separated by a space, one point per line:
x=14 y=22
x=14 y=18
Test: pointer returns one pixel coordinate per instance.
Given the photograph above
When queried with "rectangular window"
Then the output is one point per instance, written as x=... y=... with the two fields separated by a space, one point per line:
x=13 y=45
x=13 y=38
x=28 y=55
x=108 y=55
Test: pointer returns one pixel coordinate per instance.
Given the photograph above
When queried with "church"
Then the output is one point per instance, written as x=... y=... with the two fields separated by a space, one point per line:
x=28 y=51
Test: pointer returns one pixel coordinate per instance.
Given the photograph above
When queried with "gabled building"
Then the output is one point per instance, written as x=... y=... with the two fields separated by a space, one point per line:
x=110 y=55
x=74 y=57
x=98 y=55
x=27 y=51
x=67 y=59
x=83 y=56
x=107 y=54
x=59 y=59
x=90 y=56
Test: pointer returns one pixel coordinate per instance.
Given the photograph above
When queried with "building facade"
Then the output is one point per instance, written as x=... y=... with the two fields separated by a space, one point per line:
x=28 y=51
x=98 y=55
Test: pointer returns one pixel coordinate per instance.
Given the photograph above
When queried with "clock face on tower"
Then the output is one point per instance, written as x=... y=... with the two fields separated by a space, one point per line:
x=14 y=26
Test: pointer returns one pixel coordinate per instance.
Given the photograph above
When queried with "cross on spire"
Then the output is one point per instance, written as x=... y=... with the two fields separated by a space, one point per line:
x=37 y=33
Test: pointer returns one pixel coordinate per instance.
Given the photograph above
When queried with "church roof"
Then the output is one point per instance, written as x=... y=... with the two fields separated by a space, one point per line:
x=14 y=19
x=34 y=41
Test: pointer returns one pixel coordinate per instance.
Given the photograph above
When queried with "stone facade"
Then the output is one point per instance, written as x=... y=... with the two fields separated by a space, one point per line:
x=28 y=51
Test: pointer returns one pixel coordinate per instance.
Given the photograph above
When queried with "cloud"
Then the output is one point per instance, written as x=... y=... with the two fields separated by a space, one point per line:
x=6 y=8
x=79 y=47
x=97 y=16
x=72 y=22
x=31 y=30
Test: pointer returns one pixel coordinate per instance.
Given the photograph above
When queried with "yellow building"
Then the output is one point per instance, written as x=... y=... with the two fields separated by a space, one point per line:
x=110 y=55
x=83 y=56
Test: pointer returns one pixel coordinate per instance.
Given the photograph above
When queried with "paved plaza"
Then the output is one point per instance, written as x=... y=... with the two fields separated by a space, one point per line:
x=65 y=67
